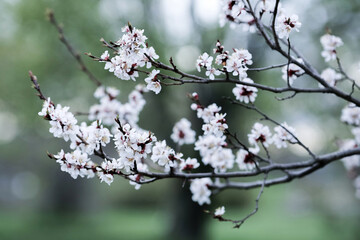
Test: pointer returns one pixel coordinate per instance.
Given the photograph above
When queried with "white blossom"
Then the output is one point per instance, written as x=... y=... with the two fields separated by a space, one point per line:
x=281 y=136
x=353 y=161
x=245 y=160
x=260 y=133
x=292 y=71
x=132 y=145
x=208 y=144
x=216 y=126
x=330 y=76
x=109 y=107
x=208 y=113
x=137 y=178
x=212 y=72
x=351 y=115
x=189 y=164
x=105 y=177
x=285 y=24
x=245 y=93
x=75 y=163
x=204 y=60
x=130 y=54
x=330 y=43
x=267 y=5
x=200 y=191
x=153 y=83
x=237 y=63
x=221 y=160
x=63 y=123
x=182 y=132
x=165 y=156
x=219 y=211
x=231 y=12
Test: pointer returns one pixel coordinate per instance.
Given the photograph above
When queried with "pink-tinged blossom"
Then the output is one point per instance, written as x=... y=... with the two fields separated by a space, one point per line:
x=105 y=56
x=293 y=71
x=245 y=93
x=351 y=115
x=330 y=43
x=153 y=83
x=281 y=136
x=260 y=134
x=182 y=132
x=200 y=191
x=245 y=160
x=330 y=76
x=285 y=24
x=204 y=61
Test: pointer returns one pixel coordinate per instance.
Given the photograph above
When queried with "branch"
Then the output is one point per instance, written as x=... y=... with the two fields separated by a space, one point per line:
x=72 y=51
x=36 y=86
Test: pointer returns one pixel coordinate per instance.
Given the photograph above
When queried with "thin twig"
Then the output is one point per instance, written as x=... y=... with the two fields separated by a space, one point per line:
x=70 y=48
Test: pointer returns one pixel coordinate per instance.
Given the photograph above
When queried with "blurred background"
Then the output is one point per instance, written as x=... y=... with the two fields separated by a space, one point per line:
x=38 y=201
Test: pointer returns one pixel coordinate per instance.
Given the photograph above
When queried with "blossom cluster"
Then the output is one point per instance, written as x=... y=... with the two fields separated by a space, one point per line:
x=236 y=13
x=235 y=63
x=76 y=164
x=132 y=53
x=351 y=116
x=330 y=43
x=110 y=107
x=133 y=144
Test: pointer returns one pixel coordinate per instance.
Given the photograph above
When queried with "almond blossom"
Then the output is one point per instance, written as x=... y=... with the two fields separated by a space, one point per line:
x=245 y=93
x=282 y=135
x=285 y=24
x=292 y=71
x=260 y=134
x=200 y=191
x=330 y=76
x=330 y=43
x=182 y=132
x=153 y=83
